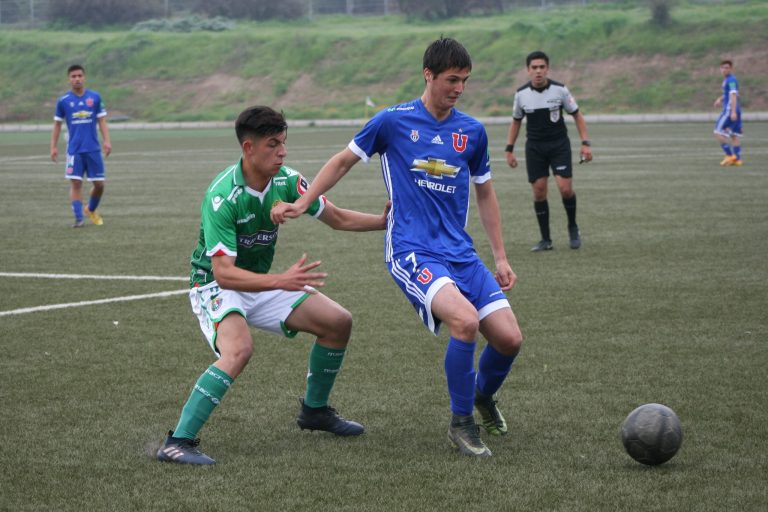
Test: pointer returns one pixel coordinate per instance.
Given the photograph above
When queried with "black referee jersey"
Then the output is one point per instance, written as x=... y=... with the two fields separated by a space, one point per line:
x=544 y=108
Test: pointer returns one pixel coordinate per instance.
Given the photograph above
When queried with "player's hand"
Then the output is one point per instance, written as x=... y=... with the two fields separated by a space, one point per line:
x=107 y=149
x=299 y=278
x=511 y=160
x=283 y=211
x=505 y=276
x=733 y=116
x=387 y=208
x=586 y=154
x=54 y=154
x=718 y=102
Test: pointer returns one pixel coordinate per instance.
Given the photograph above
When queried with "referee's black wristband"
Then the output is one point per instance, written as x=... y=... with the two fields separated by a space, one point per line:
x=510 y=148
x=586 y=143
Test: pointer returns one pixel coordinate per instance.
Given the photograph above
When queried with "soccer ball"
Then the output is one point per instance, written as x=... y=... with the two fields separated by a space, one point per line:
x=652 y=434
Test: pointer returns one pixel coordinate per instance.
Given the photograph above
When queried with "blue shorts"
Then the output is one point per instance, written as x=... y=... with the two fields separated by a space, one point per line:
x=420 y=277
x=85 y=164
x=727 y=128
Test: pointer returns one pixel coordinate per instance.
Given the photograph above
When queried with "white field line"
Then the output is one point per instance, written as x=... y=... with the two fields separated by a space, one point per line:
x=126 y=298
x=92 y=276
x=91 y=302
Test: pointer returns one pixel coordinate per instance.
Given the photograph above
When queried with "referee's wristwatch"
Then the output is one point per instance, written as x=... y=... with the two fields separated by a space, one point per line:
x=586 y=143
x=510 y=148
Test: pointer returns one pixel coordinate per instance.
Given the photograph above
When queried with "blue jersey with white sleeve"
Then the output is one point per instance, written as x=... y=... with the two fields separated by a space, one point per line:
x=730 y=85
x=80 y=114
x=427 y=167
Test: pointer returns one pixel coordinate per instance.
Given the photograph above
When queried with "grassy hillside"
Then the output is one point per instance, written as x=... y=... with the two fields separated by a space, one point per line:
x=613 y=59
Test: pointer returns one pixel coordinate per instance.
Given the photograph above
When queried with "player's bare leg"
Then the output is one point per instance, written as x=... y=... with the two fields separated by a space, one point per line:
x=502 y=331
x=235 y=345
x=460 y=316
x=332 y=324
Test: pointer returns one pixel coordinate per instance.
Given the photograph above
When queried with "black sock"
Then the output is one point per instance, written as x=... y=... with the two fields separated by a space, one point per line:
x=542 y=216
x=570 y=209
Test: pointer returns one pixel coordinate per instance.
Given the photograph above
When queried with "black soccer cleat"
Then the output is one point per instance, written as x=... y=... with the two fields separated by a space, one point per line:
x=574 y=237
x=544 y=245
x=182 y=451
x=491 y=418
x=327 y=419
x=464 y=433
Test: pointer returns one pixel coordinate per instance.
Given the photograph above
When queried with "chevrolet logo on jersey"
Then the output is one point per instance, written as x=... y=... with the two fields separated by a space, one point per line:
x=81 y=114
x=435 y=167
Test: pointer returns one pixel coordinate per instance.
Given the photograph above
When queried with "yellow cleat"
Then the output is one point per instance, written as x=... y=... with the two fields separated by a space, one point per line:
x=95 y=217
x=737 y=163
x=728 y=160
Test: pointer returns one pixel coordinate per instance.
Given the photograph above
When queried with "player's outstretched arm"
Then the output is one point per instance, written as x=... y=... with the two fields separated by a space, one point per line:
x=352 y=220
x=488 y=206
x=296 y=278
x=333 y=170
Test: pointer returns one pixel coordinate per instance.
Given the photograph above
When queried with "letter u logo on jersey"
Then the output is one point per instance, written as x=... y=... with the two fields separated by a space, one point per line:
x=459 y=142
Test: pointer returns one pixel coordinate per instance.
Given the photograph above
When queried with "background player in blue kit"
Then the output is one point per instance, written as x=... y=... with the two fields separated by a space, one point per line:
x=728 y=124
x=430 y=153
x=82 y=109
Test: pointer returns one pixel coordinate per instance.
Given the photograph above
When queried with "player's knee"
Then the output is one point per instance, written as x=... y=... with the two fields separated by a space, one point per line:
x=510 y=344
x=236 y=349
x=339 y=326
x=465 y=327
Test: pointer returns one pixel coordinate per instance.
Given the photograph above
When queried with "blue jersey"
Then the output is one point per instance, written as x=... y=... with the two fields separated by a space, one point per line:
x=80 y=113
x=730 y=85
x=427 y=167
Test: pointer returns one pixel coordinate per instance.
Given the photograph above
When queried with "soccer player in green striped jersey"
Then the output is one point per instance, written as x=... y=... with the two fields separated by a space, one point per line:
x=232 y=289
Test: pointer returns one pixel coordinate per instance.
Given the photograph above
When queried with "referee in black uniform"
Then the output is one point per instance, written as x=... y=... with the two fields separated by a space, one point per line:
x=547 y=145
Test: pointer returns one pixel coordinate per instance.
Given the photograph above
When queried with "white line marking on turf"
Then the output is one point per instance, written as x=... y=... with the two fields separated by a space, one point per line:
x=91 y=302
x=92 y=276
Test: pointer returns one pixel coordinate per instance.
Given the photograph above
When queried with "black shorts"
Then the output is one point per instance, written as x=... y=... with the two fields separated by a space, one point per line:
x=541 y=156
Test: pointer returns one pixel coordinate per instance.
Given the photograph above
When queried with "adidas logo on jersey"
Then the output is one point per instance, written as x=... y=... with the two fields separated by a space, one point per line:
x=437 y=140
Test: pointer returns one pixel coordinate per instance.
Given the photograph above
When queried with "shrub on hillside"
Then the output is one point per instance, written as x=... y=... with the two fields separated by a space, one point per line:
x=660 y=12
x=103 y=12
x=442 y=9
x=251 y=9
x=188 y=24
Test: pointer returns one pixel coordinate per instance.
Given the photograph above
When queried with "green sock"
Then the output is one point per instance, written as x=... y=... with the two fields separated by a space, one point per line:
x=324 y=364
x=206 y=395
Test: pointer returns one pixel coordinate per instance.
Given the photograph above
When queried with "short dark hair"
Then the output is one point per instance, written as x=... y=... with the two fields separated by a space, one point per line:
x=75 y=67
x=259 y=121
x=726 y=61
x=538 y=54
x=446 y=53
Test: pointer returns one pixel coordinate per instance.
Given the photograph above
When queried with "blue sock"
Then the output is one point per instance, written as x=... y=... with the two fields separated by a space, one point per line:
x=77 y=209
x=493 y=368
x=737 y=152
x=93 y=203
x=727 y=149
x=460 y=372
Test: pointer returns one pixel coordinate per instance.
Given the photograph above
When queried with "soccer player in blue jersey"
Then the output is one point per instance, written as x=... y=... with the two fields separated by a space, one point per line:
x=430 y=153
x=82 y=109
x=728 y=124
